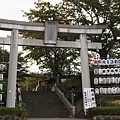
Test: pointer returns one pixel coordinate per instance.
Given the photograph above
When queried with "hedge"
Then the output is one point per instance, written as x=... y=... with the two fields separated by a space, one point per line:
x=5 y=111
x=96 y=111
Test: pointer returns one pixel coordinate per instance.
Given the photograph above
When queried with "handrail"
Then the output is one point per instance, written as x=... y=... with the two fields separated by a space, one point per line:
x=18 y=93
x=69 y=106
x=19 y=97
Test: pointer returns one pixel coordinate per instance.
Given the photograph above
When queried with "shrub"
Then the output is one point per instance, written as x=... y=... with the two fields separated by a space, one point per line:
x=104 y=111
x=5 y=111
x=19 y=111
x=65 y=87
x=22 y=109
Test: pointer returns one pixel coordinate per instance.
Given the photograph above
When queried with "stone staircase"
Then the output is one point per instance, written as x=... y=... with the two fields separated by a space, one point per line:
x=44 y=104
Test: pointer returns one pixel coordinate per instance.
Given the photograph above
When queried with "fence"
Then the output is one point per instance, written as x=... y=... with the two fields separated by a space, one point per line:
x=69 y=106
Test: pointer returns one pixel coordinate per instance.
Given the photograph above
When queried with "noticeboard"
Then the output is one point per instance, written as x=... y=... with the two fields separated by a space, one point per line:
x=50 y=32
x=89 y=98
x=1 y=77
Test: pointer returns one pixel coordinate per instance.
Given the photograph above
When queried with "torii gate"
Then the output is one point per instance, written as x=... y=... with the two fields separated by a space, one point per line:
x=51 y=30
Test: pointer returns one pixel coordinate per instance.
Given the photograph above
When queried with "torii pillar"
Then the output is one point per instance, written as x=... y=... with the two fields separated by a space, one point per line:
x=12 y=74
x=84 y=62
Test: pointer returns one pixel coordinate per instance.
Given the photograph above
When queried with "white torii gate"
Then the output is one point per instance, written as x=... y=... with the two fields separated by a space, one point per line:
x=15 y=41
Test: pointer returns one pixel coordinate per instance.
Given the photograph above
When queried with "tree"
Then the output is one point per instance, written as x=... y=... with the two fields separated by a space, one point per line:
x=56 y=59
x=4 y=59
x=22 y=67
x=74 y=12
x=4 y=55
x=100 y=12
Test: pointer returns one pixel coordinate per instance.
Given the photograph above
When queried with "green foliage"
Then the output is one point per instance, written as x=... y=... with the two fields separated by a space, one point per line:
x=4 y=58
x=4 y=91
x=22 y=109
x=65 y=87
x=74 y=12
x=4 y=55
x=104 y=111
x=54 y=59
x=5 y=111
x=22 y=67
x=98 y=12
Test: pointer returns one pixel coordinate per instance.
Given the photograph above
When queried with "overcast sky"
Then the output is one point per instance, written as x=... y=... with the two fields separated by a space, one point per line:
x=12 y=10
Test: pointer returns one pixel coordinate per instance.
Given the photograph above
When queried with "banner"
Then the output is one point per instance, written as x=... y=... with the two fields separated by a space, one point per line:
x=89 y=98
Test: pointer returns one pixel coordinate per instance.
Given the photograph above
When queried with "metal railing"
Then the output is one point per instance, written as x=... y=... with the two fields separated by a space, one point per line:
x=18 y=93
x=69 y=106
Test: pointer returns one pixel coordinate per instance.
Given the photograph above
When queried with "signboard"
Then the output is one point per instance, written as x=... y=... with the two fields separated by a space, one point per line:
x=1 y=77
x=103 y=62
x=107 y=76
x=1 y=87
x=89 y=98
x=2 y=67
x=0 y=97
x=50 y=32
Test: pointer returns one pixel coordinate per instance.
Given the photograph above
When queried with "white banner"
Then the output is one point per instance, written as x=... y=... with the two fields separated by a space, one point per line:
x=89 y=98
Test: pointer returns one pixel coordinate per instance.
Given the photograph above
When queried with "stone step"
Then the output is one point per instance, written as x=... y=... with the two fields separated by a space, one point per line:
x=44 y=104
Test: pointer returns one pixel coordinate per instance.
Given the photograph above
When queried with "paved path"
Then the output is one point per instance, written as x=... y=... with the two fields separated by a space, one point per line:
x=54 y=119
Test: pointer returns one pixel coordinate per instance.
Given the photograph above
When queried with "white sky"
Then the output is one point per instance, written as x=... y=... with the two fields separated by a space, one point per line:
x=12 y=10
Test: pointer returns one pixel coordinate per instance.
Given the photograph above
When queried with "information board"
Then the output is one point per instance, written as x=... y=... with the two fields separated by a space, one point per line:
x=1 y=77
x=89 y=98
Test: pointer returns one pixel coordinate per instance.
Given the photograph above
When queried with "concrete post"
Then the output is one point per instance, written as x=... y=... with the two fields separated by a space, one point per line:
x=84 y=62
x=12 y=74
x=84 y=65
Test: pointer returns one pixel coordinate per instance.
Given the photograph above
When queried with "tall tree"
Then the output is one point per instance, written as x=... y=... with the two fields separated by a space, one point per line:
x=4 y=55
x=4 y=59
x=100 y=12
x=22 y=67
x=56 y=59
x=79 y=12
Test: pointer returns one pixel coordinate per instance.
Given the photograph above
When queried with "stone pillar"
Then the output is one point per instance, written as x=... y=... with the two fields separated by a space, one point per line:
x=12 y=74
x=84 y=62
x=84 y=65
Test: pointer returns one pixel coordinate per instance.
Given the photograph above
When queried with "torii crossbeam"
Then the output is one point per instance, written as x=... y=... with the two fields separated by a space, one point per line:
x=15 y=41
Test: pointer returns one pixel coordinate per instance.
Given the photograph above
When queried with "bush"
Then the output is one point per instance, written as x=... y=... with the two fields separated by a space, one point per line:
x=19 y=111
x=5 y=111
x=22 y=109
x=104 y=111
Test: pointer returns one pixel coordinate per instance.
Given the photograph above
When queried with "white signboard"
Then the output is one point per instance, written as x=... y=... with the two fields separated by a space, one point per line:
x=89 y=98
x=108 y=74
x=103 y=62
x=1 y=87
x=0 y=97
x=1 y=77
